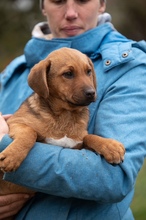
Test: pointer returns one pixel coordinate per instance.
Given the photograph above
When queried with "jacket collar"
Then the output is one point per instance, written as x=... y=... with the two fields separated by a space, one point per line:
x=89 y=42
x=41 y=30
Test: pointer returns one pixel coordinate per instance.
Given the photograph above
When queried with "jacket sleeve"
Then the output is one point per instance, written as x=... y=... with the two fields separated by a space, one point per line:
x=120 y=114
x=67 y=173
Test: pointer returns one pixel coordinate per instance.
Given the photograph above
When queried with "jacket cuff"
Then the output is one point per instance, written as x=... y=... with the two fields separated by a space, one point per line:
x=5 y=141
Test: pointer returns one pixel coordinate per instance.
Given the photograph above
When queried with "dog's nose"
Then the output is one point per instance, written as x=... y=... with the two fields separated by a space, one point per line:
x=90 y=93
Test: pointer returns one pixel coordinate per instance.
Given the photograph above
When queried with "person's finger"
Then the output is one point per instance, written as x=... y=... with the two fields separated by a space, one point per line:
x=4 y=129
x=11 y=204
x=7 y=116
x=12 y=208
x=6 y=200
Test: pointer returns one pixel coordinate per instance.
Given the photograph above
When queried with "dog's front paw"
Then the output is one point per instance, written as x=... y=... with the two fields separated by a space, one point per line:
x=8 y=162
x=113 y=151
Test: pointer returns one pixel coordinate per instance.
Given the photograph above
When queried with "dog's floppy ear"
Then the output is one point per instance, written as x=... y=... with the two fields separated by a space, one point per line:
x=93 y=71
x=37 y=78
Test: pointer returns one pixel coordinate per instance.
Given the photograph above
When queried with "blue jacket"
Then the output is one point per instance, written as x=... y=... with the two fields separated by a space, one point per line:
x=79 y=184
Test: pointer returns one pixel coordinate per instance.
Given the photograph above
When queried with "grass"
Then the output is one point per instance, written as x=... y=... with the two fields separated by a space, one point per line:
x=139 y=202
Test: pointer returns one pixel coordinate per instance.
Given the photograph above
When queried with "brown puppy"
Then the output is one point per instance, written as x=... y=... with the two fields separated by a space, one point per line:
x=64 y=85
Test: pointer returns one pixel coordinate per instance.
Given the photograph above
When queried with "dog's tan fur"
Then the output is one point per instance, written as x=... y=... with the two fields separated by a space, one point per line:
x=64 y=85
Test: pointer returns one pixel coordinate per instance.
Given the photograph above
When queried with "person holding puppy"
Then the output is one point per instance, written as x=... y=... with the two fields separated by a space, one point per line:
x=79 y=184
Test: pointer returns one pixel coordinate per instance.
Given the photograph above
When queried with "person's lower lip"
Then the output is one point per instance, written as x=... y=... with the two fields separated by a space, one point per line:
x=72 y=32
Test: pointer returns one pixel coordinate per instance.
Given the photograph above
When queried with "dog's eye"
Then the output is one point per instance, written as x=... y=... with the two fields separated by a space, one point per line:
x=68 y=75
x=89 y=72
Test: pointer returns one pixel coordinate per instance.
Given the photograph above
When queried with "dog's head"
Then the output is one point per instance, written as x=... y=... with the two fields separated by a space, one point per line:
x=66 y=74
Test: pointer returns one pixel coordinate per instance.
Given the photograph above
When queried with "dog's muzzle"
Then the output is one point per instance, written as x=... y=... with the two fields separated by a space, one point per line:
x=84 y=98
x=90 y=94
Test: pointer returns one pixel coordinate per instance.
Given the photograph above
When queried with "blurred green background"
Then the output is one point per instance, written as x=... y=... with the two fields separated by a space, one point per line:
x=17 y=18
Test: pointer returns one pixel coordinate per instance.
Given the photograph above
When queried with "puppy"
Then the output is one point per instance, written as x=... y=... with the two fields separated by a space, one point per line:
x=64 y=85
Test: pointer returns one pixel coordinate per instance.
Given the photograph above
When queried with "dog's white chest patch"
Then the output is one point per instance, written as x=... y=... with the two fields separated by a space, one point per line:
x=63 y=142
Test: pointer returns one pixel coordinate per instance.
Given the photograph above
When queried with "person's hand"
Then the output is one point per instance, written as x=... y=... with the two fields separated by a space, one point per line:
x=3 y=125
x=11 y=204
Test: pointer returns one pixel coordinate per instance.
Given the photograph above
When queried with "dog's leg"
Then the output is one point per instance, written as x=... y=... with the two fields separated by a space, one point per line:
x=24 y=139
x=112 y=150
